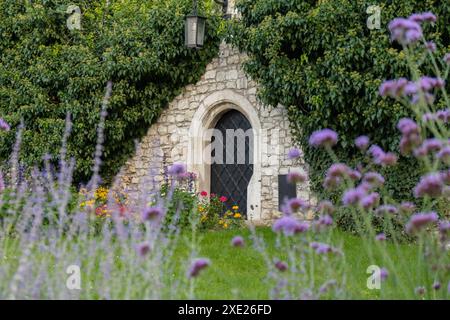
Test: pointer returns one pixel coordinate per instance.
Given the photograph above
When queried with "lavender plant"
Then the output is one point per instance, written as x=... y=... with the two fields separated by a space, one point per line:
x=49 y=250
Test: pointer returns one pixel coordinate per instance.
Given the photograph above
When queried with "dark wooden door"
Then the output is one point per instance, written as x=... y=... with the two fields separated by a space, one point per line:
x=231 y=176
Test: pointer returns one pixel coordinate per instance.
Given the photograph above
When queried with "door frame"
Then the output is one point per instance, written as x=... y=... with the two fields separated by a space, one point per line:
x=205 y=118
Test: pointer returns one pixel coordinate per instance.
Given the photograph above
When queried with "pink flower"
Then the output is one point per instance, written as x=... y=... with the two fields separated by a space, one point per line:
x=223 y=199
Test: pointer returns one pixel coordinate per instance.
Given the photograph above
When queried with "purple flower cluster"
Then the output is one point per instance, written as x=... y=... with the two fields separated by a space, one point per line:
x=407 y=207
x=323 y=222
x=337 y=173
x=409 y=31
x=415 y=91
x=440 y=115
x=431 y=185
x=152 y=213
x=281 y=266
x=197 y=266
x=323 y=138
x=4 y=125
x=370 y=201
x=410 y=135
x=353 y=196
x=295 y=176
x=323 y=248
x=428 y=147
x=374 y=179
x=289 y=226
x=420 y=220
x=294 y=153
x=237 y=241
x=143 y=249
x=326 y=207
x=386 y=209
x=447 y=58
x=362 y=143
x=382 y=158
x=380 y=237
x=177 y=170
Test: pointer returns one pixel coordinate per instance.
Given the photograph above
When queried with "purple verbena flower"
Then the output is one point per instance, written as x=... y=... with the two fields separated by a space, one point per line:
x=197 y=266
x=326 y=207
x=237 y=241
x=429 y=185
x=386 y=209
x=152 y=213
x=437 y=285
x=323 y=138
x=407 y=207
x=281 y=266
x=296 y=204
x=352 y=196
x=428 y=146
x=143 y=249
x=289 y=226
x=447 y=58
x=380 y=237
x=444 y=155
x=423 y=17
x=177 y=170
x=324 y=220
x=408 y=126
x=338 y=170
x=384 y=274
x=431 y=46
x=443 y=115
x=374 y=179
x=295 y=176
x=420 y=220
x=294 y=153
x=4 y=125
x=362 y=143
x=405 y=31
x=370 y=200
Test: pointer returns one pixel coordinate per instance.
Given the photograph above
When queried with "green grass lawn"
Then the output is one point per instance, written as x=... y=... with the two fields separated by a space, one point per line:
x=240 y=273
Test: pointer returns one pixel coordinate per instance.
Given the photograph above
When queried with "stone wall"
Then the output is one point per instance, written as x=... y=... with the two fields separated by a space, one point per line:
x=168 y=140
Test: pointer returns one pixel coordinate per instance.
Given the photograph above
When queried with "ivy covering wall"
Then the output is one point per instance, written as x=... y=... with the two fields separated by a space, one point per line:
x=47 y=70
x=321 y=61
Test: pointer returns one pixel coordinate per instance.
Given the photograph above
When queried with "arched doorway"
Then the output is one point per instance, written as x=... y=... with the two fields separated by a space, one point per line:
x=210 y=111
x=232 y=159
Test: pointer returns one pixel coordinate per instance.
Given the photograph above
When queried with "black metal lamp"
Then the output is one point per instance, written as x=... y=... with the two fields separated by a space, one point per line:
x=195 y=26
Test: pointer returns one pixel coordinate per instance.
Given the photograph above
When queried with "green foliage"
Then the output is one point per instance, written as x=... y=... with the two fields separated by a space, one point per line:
x=321 y=61
x=47 y=70
x=181 y=207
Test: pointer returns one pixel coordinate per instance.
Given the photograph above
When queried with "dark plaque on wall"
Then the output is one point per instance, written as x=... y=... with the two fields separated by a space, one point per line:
x=285 y=190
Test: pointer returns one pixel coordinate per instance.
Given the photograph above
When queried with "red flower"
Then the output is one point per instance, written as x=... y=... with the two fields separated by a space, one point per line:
x=223 y=199
x=203 y=193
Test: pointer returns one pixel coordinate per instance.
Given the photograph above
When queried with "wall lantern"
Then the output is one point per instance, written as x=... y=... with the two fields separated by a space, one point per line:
x=195 y=26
